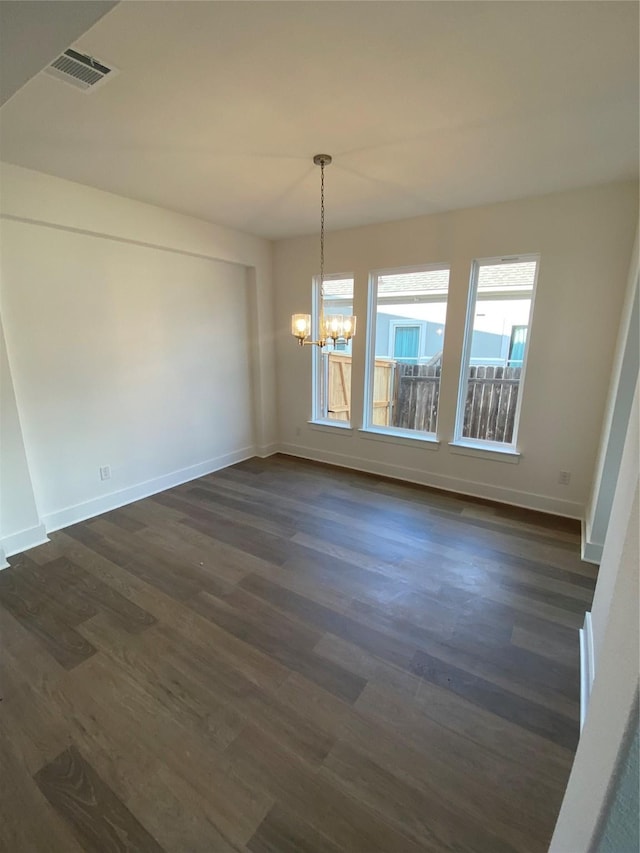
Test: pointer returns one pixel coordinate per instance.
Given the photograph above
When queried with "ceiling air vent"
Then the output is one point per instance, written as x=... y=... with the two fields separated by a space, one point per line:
x=83 y=72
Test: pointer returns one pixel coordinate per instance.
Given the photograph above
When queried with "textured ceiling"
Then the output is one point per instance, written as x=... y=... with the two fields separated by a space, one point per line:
x=219 y=107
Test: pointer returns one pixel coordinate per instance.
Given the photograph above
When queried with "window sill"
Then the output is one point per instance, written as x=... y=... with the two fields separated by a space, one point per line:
x=332 y=426
x=483 y=451
x=408 y=438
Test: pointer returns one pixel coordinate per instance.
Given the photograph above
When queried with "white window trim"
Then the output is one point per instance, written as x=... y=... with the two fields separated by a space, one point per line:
x=476 y=444
x=316 y=407
x=369 y=429
x=331 y=426
x=493 y=450
x=372 y=310
x=407 y=437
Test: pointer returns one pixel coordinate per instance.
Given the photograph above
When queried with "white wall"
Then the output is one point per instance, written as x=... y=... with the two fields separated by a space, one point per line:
x=622 y=386
x=584 y=238
x=610 y=572
x=621 y=824
x=612 y=707
x=20 y=524
x=128 y=342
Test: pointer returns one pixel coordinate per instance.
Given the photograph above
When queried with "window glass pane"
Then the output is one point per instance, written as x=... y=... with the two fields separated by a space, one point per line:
x=405 y=353
x=333 y=366
x=497 y=332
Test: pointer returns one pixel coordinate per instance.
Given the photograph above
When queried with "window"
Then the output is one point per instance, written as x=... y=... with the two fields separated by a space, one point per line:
x=332 y=368
x=406 y=343
x=406 y=335
x=517 y=345
x=495 y=348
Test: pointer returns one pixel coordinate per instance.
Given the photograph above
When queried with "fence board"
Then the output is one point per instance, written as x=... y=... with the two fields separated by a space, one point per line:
x=383 y=388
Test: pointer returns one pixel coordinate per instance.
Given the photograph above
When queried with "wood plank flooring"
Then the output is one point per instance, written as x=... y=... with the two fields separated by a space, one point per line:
x=284 y=657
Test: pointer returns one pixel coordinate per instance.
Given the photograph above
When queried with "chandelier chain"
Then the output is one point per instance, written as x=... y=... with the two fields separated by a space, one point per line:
x=322 y=229
x=303 y=325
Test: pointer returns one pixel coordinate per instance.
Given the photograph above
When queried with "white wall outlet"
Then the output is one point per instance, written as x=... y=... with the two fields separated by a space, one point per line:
x=105 y=472
x=564 y=478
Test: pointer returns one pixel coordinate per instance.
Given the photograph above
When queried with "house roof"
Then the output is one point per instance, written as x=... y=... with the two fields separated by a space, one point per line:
x=492 y=278
x=511 y=277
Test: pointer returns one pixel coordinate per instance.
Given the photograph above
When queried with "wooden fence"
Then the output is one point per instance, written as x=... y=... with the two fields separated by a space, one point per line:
x=338 y=381
x=406 y=396
x=337 y=369
x=417 y=388
x=490 y=407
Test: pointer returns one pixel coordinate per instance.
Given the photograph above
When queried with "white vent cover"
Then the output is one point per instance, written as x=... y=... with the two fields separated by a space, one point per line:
x=83 y=72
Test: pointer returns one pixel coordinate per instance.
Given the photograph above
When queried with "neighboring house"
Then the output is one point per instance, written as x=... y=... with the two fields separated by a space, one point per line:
x=413 y=340
x=406 y=330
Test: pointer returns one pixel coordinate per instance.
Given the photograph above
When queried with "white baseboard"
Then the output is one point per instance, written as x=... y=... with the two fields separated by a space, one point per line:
x=23 y=540
x=513 y=497
x=586 y=666
x=264 y=450
x=114 y=500
x=590 y=552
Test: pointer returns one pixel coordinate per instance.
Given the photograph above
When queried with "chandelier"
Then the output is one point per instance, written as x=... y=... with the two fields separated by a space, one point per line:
x=333 y=328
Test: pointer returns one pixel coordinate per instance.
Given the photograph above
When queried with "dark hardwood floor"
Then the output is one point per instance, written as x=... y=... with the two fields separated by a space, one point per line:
x=288 y=657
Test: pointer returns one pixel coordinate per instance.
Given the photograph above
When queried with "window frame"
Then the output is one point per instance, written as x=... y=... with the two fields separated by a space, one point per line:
x=385 y=432
x=317 y=417
x=482 y=444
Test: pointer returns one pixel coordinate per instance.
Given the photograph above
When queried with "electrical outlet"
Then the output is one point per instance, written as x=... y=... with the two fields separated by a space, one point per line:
x=298 y=430
x=105 y=472
x=564 y=478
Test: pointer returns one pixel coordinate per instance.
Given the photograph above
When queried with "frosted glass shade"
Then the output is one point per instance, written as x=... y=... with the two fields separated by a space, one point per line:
x=301 y=326
x=349 y=328
x=333 y=326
